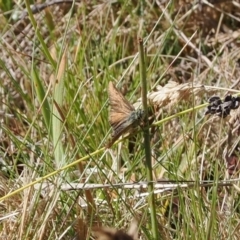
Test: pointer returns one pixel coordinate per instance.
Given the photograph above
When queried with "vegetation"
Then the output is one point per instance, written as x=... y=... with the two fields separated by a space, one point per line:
x=58 y=181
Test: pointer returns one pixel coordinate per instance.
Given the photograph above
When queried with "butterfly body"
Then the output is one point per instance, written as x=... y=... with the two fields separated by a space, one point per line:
x=123 y=116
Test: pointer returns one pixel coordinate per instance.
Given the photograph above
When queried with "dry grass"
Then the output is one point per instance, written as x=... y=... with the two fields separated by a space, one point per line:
x=53 y=112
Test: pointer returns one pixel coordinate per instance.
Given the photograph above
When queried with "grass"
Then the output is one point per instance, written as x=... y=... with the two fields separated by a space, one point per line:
x=54 y=124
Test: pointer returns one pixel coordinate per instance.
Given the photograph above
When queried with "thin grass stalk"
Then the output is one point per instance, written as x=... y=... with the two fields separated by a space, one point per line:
x=151 y=199
x=58 y=171
x=42 y=98
x=57 y=122
x=39 y=36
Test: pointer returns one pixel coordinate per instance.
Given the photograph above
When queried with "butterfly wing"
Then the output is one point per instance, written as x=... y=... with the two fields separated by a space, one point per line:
x=126 y=125
x=122 y=115
x=120 y=108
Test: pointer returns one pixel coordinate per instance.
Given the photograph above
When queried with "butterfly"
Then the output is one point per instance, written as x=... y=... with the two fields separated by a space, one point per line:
x=123 y=117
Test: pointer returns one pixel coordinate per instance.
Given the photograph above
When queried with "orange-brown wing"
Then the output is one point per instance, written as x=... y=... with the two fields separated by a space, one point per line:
x=120 y=108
